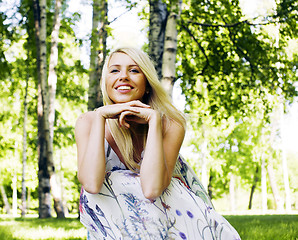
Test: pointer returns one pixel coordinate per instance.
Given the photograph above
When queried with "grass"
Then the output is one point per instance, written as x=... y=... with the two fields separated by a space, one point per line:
x=35 y=228
x=265 y=227
x=250 y=227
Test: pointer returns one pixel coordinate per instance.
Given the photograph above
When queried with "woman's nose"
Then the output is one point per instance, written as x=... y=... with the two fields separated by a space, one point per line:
x=123 y=75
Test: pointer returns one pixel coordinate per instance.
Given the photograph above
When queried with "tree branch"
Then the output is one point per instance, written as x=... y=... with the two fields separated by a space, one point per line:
x=199 y=45
x=130 y=8
x=231 y=25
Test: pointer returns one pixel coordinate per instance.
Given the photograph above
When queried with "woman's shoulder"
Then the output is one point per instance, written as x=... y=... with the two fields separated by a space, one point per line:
x=85 y=118
x=174 y=127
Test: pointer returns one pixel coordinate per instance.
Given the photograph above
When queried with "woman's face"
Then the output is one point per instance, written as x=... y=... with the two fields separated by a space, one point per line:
x=124 y=81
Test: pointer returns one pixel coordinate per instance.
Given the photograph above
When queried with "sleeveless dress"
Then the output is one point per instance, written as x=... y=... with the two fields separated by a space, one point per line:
x=120 y=211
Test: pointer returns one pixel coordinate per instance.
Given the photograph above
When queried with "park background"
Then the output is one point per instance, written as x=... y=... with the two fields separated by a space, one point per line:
x=232 y=70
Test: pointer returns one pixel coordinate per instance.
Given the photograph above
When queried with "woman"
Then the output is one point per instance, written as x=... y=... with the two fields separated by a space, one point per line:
x=134 y=183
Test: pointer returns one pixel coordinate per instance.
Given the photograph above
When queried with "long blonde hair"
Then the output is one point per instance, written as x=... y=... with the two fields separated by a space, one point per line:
x=157 y=98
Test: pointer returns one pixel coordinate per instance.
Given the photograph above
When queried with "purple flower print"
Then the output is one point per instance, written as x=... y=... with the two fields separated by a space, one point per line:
x=178 y=212
x=100 y=212
x=189 y=214
x=215 y=224
x=92 y=214
x=182 y=235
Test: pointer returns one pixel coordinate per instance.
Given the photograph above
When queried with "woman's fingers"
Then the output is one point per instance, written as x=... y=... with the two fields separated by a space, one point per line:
x=141 y=117
x=138 y=103
x=135 y=111
x=122 y=120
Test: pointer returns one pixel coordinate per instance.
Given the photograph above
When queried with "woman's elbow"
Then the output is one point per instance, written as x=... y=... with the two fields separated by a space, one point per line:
x=92 y=187
x=154 y=191
x=152 y=194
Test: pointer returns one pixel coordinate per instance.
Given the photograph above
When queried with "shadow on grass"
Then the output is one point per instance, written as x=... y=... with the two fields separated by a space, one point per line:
x=5 y=233
x=263 y=227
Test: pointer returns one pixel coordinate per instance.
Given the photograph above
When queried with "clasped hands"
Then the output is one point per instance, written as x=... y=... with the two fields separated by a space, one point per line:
x=133 y=111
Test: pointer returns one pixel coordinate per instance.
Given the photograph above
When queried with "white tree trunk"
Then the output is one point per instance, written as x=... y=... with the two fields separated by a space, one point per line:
x=286 y=182
x=52 y=85
x=278 y=200
x=284 y=160
x=24 y=155
x=157 y=26
x=232 y=193
x=170 y=48
x=7 y=206
x=44 y=181
x=52 y=79
x=14 y=195
x=264 y=185
x=271 y=175
x=204 y=160
x=98 y=52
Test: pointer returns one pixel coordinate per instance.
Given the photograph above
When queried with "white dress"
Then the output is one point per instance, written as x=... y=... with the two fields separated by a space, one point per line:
x=120 y=211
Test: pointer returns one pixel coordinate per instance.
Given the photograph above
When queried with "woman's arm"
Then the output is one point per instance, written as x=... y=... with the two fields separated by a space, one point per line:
x=89 y=134
x=161 y=151
x=160 y=155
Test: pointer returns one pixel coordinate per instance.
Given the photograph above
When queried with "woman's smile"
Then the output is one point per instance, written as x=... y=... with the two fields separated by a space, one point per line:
x=123 y=88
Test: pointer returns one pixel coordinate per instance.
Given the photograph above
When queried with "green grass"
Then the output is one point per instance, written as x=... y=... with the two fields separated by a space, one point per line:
x=265 y=227
x=34 y=228
x=250 y=227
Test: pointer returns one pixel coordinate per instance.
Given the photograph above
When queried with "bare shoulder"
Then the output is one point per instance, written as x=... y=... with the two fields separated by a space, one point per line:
x=174 y=128
x=84 y=121
x=85 y=117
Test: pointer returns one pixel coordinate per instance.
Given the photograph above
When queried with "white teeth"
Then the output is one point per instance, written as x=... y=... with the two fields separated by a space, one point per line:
x=124 y=88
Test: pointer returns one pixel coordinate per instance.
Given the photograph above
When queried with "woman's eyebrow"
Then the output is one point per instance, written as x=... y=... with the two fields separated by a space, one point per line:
x=118 y=65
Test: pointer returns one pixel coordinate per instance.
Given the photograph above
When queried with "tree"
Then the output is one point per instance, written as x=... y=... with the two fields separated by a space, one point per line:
x=227 y=64
x=20 y=55
x=98 y=52
x=170 y=47
x=46 y=110
x=43 y=126
x=24 y=155
x=156 y=37
x=51 y=95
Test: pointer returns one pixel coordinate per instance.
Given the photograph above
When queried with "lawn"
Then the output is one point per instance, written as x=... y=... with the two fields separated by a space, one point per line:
x=34 y=228
x=265 y=227
x=250 y=227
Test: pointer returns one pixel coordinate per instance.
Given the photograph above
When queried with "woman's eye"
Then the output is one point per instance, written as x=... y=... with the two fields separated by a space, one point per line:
x=135 y=70
x=114 y=70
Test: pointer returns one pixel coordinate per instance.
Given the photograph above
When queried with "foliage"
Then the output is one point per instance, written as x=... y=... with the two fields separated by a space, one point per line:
x=233 y=72
x=234 y=62
x=20 y=60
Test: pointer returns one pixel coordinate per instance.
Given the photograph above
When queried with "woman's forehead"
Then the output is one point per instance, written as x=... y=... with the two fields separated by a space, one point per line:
x=120 y=58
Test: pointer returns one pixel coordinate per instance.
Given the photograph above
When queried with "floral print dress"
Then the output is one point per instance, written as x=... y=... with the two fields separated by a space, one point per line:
x=120 y=211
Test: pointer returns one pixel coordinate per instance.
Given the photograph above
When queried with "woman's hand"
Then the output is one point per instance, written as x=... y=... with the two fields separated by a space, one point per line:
x=141 y=116
x=134 y=111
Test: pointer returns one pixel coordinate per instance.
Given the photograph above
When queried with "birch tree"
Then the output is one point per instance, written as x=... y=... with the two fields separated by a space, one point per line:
x=157 y=27
x=43 y=171
x=50 y=95
x=98 y=52
x=46 y=97
x=170 y=47
x=24 y=155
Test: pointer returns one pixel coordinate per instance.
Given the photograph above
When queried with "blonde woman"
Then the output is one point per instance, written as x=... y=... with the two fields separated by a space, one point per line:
x=134 y=183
